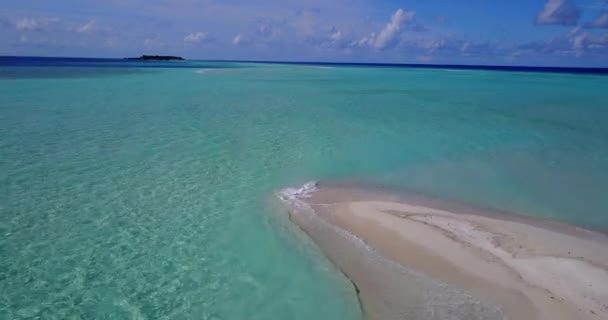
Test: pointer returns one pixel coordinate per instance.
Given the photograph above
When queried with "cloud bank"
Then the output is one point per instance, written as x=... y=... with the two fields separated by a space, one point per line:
x=601 y=21
x=560 y=12
x=391 y=31
x=195 y=37
x=315 y=30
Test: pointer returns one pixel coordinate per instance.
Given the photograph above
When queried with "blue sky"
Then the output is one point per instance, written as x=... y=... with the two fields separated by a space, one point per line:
x=517 y=32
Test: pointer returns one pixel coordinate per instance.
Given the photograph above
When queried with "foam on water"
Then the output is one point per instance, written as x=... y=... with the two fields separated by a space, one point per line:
x=295 y=199
x=295 y=195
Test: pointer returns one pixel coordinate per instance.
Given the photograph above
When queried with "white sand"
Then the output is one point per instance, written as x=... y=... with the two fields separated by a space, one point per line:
x=531 y=271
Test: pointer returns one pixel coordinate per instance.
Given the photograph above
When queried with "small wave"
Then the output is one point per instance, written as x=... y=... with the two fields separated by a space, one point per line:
x=294 y=198
x=295 y=195
x=211 y=70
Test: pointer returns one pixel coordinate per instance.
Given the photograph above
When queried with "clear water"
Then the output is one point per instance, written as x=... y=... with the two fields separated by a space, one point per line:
x=130 y=192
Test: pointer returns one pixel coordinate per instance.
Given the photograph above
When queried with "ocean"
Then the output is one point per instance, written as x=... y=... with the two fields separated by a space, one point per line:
x=145 y=190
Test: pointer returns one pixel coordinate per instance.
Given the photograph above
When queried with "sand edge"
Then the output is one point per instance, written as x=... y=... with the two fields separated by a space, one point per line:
x=531 y=272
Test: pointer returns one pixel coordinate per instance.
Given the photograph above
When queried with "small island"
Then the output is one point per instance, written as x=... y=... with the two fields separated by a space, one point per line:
x=157 y=58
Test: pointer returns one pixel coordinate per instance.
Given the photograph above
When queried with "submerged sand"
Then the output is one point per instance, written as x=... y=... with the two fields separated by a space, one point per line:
x=413 y=258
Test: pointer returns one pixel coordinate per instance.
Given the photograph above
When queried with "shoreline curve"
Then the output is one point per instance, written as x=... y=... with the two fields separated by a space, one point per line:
x=412 y=259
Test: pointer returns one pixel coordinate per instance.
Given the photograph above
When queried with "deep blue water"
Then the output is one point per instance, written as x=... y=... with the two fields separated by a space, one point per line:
x=124 y=63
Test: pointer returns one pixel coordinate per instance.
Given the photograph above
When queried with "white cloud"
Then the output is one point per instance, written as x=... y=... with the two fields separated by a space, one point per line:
x=573 y=32
x=27 y=24
x=587 y=42
x=333 y=39
x=390 y=33
x=267 y=28
x=241 y=40
x=392 y=29
x=600 y=21
x=579 y=43
x=561 y=12
x=367 y=40
x=36 y=24
x=431 y=45
x=87 y=27
x=195 y=37
x=300 y=30
x=335 y=35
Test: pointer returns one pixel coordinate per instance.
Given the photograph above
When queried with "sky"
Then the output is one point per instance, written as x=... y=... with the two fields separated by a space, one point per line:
x=480 y=32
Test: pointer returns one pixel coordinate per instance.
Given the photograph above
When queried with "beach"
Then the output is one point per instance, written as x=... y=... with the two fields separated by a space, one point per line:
x=497 y=265
x=138 y=189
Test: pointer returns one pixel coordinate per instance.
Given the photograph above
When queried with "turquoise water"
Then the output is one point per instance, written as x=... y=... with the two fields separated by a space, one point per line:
x=146 y=193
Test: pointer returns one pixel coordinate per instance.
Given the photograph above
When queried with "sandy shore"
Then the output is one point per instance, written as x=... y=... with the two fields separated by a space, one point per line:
x=418 y=259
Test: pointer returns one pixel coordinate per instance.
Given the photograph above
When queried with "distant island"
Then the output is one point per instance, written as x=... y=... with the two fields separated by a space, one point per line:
x=163 y=58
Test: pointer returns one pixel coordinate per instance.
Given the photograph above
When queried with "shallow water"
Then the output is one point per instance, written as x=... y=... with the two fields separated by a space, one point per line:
x=130 y=191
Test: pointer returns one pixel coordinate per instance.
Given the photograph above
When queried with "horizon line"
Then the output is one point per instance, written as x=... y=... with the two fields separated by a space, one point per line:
x=352 y=63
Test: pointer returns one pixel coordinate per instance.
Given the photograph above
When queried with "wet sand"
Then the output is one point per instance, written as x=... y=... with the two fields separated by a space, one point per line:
x=416 y=258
